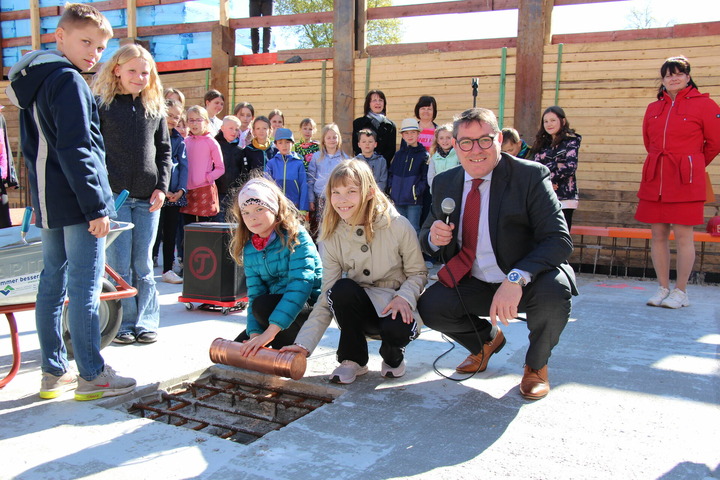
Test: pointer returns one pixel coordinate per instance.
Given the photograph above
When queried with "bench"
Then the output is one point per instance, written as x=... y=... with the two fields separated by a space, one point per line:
x=617 y=234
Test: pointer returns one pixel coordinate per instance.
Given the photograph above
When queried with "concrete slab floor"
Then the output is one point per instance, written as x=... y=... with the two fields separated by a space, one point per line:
x=635 y=393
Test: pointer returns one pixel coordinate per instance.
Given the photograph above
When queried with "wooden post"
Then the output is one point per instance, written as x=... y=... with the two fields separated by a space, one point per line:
x=343 y=68
x=223 y=57
x=361 y=26
x=35 y=24
x=225 y=13
x=533 y=33
x=131 y=15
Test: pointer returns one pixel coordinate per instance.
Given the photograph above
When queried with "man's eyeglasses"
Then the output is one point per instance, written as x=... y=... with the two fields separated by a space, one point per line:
x=466 y=144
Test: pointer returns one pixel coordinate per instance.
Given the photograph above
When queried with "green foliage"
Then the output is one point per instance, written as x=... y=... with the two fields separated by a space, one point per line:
x=379 y=32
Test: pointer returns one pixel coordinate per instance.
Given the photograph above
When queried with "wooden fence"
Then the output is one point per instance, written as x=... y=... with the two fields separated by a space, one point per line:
x=604 y=87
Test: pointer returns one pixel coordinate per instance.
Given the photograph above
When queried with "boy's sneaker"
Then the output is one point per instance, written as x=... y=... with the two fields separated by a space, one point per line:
x=676 y=299
x=347 y=372
x=52 y=386
x=659 y=296
x=107 y=384
x=389 y=372
x=171 y=277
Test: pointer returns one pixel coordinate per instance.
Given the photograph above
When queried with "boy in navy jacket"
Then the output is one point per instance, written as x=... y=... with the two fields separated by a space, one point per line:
x=407 y=176
x=288 y=171
x=65 y=158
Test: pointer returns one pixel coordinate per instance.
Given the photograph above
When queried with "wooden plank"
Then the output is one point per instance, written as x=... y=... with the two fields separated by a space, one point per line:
x=131 y=15
x=649 y=44
x=463 y=6
x=532 y=26
x=687 y=30
x=343 y=71
x=629 y=54
x=223 y=54
x=195 y=64
x=25 y=14
x=191 y=27
x=282 y=20
x=306 y=54
x=35 y=24
x=361 y=19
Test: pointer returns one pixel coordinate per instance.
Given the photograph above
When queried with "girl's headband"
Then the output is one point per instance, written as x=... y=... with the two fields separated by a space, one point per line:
x=258 y=192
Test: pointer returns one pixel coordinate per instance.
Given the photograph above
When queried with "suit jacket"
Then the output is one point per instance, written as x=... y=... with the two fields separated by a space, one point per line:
x=527 y=227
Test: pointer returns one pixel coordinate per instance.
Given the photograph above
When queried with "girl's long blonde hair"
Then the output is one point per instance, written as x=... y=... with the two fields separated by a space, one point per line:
x=323 y=149
x=106 y=84
x=373 y=202
x=287 y=225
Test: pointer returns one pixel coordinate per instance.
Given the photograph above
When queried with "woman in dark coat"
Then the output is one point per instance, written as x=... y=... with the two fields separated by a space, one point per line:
x=375 y=109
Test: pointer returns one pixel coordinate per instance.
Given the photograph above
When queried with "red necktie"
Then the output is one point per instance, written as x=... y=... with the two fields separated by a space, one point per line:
x=461 y=264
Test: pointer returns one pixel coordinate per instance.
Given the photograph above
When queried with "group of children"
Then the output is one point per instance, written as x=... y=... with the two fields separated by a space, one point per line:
x=128 y=134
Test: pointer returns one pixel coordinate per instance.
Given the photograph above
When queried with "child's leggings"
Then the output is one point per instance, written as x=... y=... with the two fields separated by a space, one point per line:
x=357 y=318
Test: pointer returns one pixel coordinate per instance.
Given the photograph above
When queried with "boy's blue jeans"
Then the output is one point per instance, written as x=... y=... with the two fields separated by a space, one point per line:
x=412 y=213
x=73 y=263
x=130 y=255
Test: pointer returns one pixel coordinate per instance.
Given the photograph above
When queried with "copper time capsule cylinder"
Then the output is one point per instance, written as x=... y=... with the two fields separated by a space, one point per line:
x=266 y=360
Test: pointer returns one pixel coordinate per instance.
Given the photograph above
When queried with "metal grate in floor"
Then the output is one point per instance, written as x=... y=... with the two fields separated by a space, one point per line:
x=230 y=408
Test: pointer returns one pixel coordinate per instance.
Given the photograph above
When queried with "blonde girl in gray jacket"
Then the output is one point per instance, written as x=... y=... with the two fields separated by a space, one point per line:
x=373 y=275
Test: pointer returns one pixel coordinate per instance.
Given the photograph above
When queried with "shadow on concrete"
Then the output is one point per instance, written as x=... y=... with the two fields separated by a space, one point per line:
x=688 y=470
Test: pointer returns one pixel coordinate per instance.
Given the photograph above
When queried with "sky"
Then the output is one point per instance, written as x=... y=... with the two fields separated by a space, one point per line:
x=597 y=17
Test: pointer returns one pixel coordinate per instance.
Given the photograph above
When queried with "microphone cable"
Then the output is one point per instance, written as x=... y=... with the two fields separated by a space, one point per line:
x=452 y=343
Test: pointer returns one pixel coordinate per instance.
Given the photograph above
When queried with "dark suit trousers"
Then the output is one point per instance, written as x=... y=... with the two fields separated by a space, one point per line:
x=546 y=301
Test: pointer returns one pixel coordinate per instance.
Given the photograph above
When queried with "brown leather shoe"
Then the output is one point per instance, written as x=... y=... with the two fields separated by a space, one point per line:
x=534 y=384
x=479 y=362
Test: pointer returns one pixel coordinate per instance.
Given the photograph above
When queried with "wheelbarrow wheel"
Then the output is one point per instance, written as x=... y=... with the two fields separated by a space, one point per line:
x=109 y=317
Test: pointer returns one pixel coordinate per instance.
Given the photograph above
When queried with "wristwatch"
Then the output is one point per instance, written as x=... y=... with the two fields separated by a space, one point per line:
x=515 y=277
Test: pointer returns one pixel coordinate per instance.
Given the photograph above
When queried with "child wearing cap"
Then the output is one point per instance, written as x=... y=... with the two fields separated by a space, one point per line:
x=283 y=270
x=407 y=175
x=288 y=171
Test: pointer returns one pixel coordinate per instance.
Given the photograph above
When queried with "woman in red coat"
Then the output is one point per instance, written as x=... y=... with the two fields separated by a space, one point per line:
x=682 y=136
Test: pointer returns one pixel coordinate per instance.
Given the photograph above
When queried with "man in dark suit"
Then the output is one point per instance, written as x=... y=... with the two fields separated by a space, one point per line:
x=505 y=246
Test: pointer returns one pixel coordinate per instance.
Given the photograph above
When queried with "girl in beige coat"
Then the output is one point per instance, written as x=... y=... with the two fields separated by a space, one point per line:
x=373 y=275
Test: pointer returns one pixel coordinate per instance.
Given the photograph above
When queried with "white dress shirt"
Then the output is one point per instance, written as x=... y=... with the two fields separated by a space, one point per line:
x=485 y=266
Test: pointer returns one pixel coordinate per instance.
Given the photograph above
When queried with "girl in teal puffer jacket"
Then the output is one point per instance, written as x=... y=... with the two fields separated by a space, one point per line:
x=283 y=270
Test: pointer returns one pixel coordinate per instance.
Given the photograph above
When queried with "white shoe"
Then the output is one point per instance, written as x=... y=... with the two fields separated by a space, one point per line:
x=676 y=299
x=347 y=372
x=177 y=265
x=389 y=372
x=171 y=277
x=659 y=296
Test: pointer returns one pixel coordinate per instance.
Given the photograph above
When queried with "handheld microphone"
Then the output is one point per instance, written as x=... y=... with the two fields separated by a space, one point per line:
x=448 y=207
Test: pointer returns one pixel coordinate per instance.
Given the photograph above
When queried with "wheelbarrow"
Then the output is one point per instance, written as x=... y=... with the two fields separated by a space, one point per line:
x=20 y=267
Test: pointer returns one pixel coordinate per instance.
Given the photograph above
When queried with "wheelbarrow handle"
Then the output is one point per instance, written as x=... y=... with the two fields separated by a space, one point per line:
x=122 y=196
x=27 y=215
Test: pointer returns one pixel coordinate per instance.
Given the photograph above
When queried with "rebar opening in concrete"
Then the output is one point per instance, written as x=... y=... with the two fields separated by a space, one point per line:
x=231 y=408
